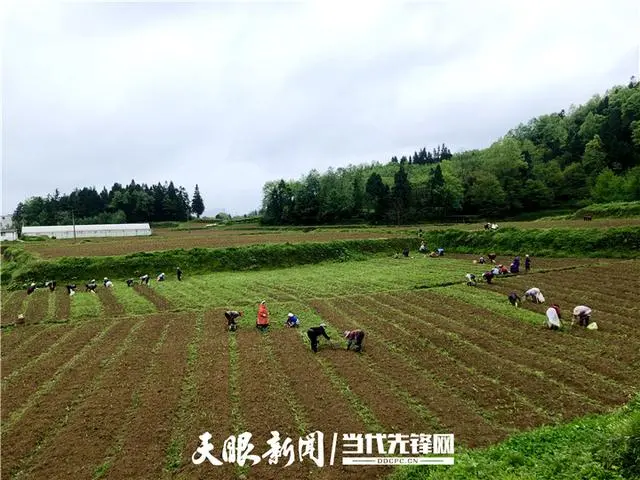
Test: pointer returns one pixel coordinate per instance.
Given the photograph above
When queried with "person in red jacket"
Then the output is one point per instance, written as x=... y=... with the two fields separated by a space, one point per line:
x=262 y=323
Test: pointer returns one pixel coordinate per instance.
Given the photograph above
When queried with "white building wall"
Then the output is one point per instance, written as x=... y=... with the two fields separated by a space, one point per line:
x=8 y=236
x=89 y=231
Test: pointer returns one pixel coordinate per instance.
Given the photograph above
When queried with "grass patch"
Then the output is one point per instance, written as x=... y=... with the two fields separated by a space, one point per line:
x=606 y=210
x=101 y=470
x=85 y=304
x=132 y=302
x=596 y=447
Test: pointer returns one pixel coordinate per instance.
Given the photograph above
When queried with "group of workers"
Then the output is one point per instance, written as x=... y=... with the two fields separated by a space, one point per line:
x=355 y=338
x=92 y=285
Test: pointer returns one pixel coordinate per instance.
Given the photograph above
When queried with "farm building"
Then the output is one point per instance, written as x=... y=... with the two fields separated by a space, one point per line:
x=8 y=235
x=84 y=231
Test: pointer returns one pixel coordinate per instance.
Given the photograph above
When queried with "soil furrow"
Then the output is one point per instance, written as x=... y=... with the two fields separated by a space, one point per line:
x=263 y=408
x=325 y=407
x=101 y=414
x=478 y=400
x=33 y=429
x=150 y=429
x=110 y=305
x=574 y=375
x=63 y=304
x=507 y=373
x=212 y=410
x=37 y=306
x=160 y=302
x=33 y=347
x=12 y=306
x=17 y=389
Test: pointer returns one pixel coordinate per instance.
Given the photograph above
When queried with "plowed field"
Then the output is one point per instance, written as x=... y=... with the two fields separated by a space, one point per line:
x=127 y=396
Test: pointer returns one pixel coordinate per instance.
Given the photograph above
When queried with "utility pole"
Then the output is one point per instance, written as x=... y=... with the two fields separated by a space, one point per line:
x=73 y=219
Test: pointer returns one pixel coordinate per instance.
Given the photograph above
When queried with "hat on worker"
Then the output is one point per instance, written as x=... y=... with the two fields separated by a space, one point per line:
x=346 y=333
x=323 y=324
x=290 y=315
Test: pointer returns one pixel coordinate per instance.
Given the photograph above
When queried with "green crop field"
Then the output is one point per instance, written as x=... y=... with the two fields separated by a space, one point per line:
x=150 y=368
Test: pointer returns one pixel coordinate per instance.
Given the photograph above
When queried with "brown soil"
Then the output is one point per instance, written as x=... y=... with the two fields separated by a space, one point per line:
x=63 y=304
x=16 y=339
x=462 y=399
x=101 y=415
x=39 y=423
x=197 y=238
x=160 y=302
x=573 y=375
x=37 y=306
x=264 y=408
x=149 y=429
x=212 y=409
x=534 y=338
x=37 y=343
x=12 y=307
x=110 y=305
x=40 y=368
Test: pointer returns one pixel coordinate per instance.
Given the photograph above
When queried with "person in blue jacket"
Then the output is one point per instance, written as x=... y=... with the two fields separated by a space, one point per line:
x=292 y=321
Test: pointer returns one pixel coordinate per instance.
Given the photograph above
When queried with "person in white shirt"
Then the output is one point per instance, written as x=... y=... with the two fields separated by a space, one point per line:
x=534 y=294
x=582 y=314
x=553 y=317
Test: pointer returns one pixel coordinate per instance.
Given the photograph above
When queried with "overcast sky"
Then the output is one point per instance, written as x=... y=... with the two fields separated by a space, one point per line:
x=231 y=95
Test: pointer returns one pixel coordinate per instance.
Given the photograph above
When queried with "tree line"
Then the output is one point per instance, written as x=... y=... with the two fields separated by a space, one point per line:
x=590 y=153
x=120 y=204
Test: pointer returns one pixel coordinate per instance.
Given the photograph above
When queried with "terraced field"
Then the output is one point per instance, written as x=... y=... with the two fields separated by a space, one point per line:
x=121 y=383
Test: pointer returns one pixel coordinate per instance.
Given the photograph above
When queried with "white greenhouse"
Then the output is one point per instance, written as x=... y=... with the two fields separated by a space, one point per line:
x=85 y=231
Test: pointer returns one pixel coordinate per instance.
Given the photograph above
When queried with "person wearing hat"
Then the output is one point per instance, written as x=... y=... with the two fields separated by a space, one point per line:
x=314 y=333
x=534 y=294
x=179 y=274
x=130 y=282
x=231 y=316
x=161 y=277
x=292 y=321
x=91 y=286
x=20 y=319
x=31 y=289
x=355 y=338
x=471 y=279
x=262 y=322
x=582 y=314
x=107 y=283
x=144 y=279
x=71 y=289
x=51 y=284
x=488 y=276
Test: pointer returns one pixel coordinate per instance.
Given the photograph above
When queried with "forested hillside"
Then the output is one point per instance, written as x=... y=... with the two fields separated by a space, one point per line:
x=590 y=153
x=120 y=204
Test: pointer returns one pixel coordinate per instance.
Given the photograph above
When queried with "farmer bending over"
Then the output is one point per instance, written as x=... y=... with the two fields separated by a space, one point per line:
x=488 y=276
x=534 y=294
x=31 y=289
x=231 y=316
x=160 y=277
x=107 y=283
x=130 y=282
x=354 y=337
x=314 y=333
x=144 y=279
x=582 y=314
x=71 y=289
x=91 y=286
x=292 y=321
x=553 y=317
x=514 y=299
x=51 y=284
x=471 y=279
